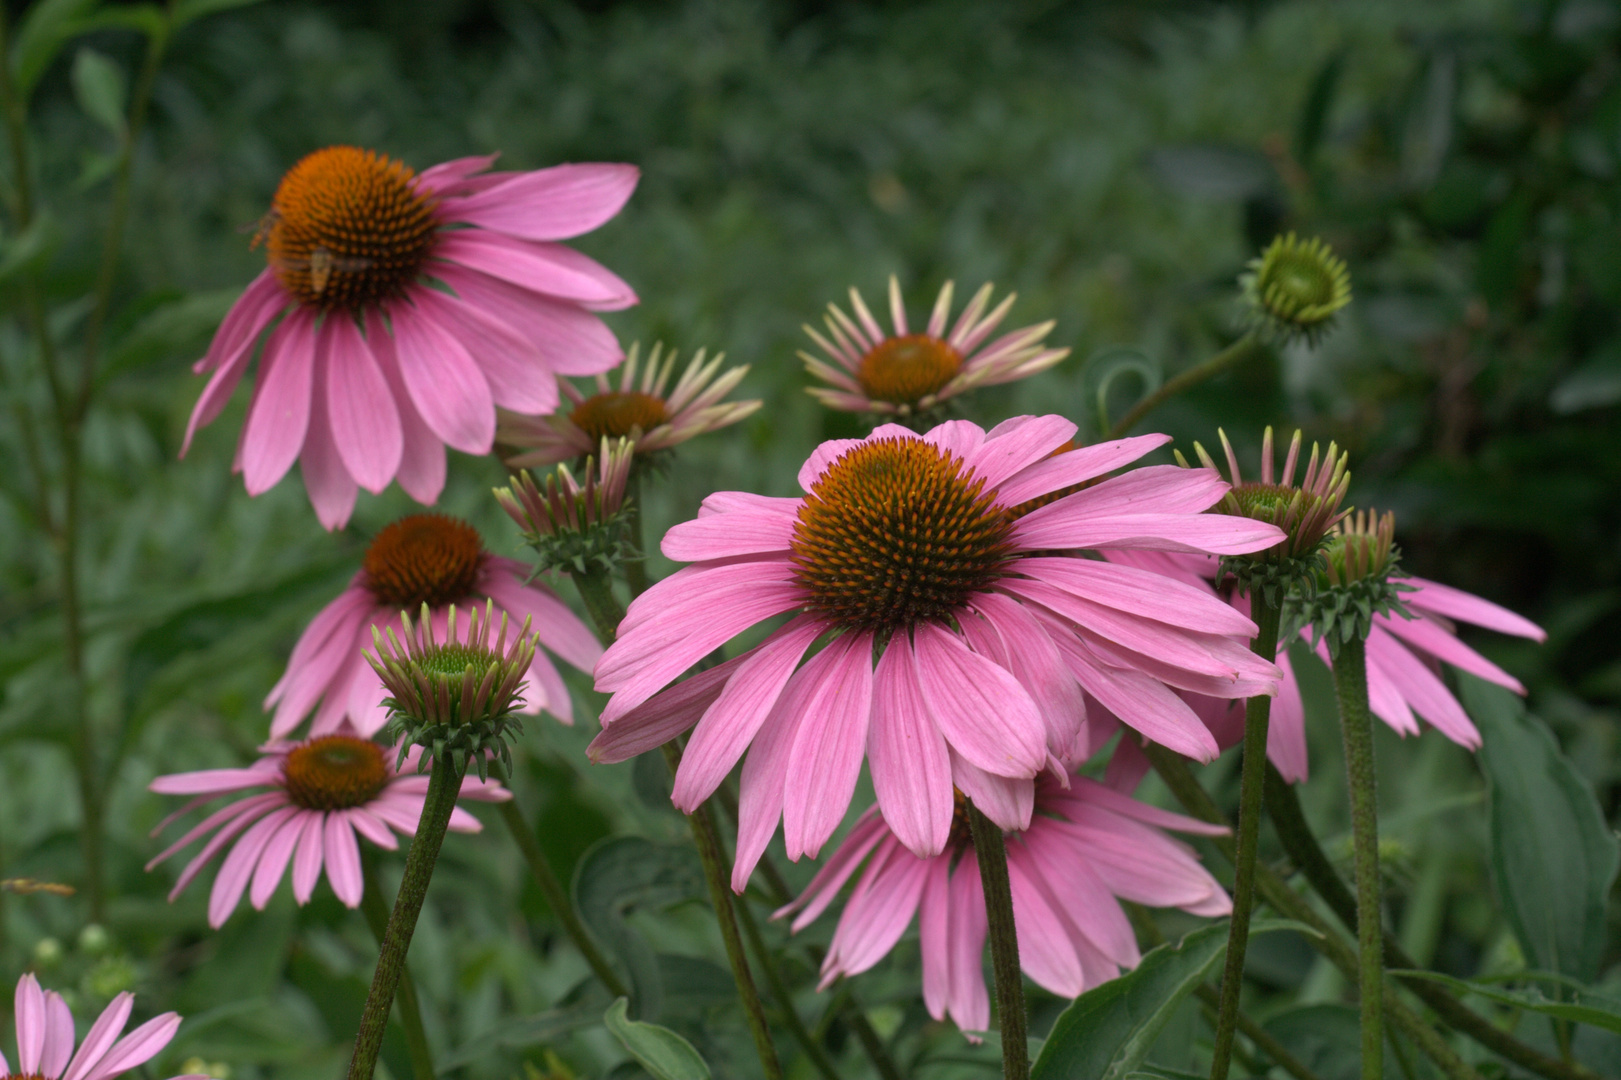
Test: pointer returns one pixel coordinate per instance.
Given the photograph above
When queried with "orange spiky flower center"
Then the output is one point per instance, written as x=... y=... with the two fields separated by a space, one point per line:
x=334 y=772
x=424 y=559
x=895 y=532
x=905 y=370
x=615 y=414
x=348 y=228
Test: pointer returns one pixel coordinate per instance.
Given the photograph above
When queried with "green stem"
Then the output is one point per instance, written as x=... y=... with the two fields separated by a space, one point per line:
x=606 y=612
x=716 y=873
x=1257 y=714
x=557 y=896
x=636 y=565
x=1173 y=769
x=1283 y=807
x=409 y=1013
x=785 y=999
x=990 y=852
x=1244 y=347
x=1356 y=723
x=444 y=784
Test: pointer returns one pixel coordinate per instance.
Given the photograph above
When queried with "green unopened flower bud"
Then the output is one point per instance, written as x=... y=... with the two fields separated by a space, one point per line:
x=1354 y=582
x=94 y=939
x=459 y=696
x=1295 y=289
x=47 y=953
x=576 y=528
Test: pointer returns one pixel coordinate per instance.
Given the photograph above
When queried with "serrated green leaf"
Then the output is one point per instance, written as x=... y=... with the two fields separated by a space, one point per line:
x=98 y=87
x=660 y=1051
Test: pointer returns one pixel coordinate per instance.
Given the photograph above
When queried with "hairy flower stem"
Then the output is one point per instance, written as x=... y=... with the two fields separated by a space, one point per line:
x=597 y=593
x=718 y=874
x=1257 y=715
x=636 y=564
x=1356 y=724
x=444 y=784
x=1300 y=843
x=1245 y=347
x=1173 y=769
x=410 y=1008
x=990 y=852
x=556 y=896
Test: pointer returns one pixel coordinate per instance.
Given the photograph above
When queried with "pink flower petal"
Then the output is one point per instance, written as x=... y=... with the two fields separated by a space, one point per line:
x=961 y=439
x=1142 y=702
x=662 y=717
x=273 y=862
x=571 y=340
x=721 y=536
x=1046 y=950
x=365 y=424
x=1424 y=634
x=934 y=941
x=551 y=204
x=518 y=378
x=307 y=862
x=232 y=350
x=732 y=722
x=215 y=781
x=1466 y=607
x=1090 y=792
x=552 y=269
x=1286 y=733
x=447 y=387
x=237 y=869
x=101 y=1036
x=58 y=1036
x=422 y=455
x=373 y=828
x=229 y=820
x=29 y=1005
x=1141 y=593
x=1075 y=467
x=331 y=489
x=907 y=755
x=343 y=860
x=823 y=456
x=765 y=772
x=970 y=1004
x=1013 y=637
x=1007 y=450
x=1061 y=526
x=1154 y=489
x=1075 y=892
x=879 y=910
x=824 y=888
x=557 y=627
x=978 y=706
x=1006 y=801
x=1422 y=690
x=137 y=1047
x=825 y=761
x=445 y=176
x=1134 y=861
x=274 y=432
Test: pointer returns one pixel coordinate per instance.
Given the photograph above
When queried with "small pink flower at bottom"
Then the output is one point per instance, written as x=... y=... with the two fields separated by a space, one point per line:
x=1086 y=847
x=45 y=1038
x=321 y=793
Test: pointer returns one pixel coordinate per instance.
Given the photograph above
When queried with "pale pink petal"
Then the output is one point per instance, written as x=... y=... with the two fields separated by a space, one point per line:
x=137 y=1047
x=1286 y=733
x=970 y=1004
x=1422 y=690
x=879 y=910
x=1256 y=677
x=1017 y=641
x=934 y=942
x=551 y=204
x=1075 y=891
x=331 y=489
x=360 y=406
x=274 y=431
x=546 y=268
x=572 y=340
x=29 y=1006
x=978 y=706
x=445 y=175
x=273 y=862
x=1433 y=639
x=1011 y=447
x=557 y=627
x=1141 y=702
x=823 y=456
x=721 y=536
x=100 y=1037
x=825 y=761
x=342 y=860
x=1139 y=592
x=731 y=723
x=230 y=820
x=1046 y=950
x=907 y=755
x=422 y=455
x=374 y=828
x=1007 y=801
x=1134 y=861
x=215 y=781
x=518 y=378
x=232 y=350
x=730 y=502
x=1385 y=701
x=1075 y=467
x=662 y=717
x=58 y=1036
x=824 y=888
x=307 y=862
x=1154 y=489
x=1466 y=607
x=961 y=439
x=1085 y=790
x=317 y=656
x=447 y=387
x=1058 y=525
x=237 y=869
x=765 y=771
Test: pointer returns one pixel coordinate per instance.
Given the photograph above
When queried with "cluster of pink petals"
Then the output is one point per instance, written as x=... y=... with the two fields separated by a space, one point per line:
x=1404 y=658
x=1012 y=356
x=361 y=405
x=45 y=1038
x=328 y=672
x=1057 y=640
x=275 y=831
x=1088 y=847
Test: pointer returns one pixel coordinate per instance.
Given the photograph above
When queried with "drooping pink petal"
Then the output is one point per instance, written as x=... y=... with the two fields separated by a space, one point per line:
x=374 y=828
x=1384 y=699
x=447 y=387
x=1076 y=892
x=543 y=267
x=237 y=869
x=1058 y=525
x=551 y=204
x=1286 y=735
x=229 y=820
x=934 y=944
x=138 y=1047
x=342 y=860
x=1133 y=861
x=1141 y=702
x=1154 y=489
x=1433 y=639
x=1256 y=677
x=511 y=364
x=365 y=423
x=1014 y=638
x=557 y=627
x=662 y=717
x=572 y=340
x=980 y=708
x=445 y=175
x=232 y=348
x=825 y=760
x=880 y=909
x=970 y=1004
x=907 y=755
x=1007 y=801
x=320 y=651
x=101 y=1036
x=731 y=723
x=307 y=860
x=721 y=536
x=1046 y=950
x=273 y=862
x=1139 y=592
x=331 y=489
x=1422 y=690
x=1466 y=607
x=1009 y=449
x=1086 y=790
x=765 y=773
x=422 y=455
x=58 y=1036
x=1075 y=467
x=274 y=432
x=215 y=781
x=824 y=888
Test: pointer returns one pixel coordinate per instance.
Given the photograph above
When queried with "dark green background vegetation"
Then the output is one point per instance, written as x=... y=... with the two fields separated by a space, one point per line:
x=1116 y=164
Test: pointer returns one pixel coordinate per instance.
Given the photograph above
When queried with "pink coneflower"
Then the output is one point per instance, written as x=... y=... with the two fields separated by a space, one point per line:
x=322 y=792
x=1087 y=847
x=375 y=369
x=962 y=635
x=421 y=559
x=45 y=1038
x=1404 y=663
x=903 y=373
x=642 y=410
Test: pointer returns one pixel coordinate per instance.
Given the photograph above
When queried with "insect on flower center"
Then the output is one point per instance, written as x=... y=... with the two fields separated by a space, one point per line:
x=617 y=414
x=895 y=532
x=424 y=559
x=348 y=228
x=904 y=370
x=334 y=772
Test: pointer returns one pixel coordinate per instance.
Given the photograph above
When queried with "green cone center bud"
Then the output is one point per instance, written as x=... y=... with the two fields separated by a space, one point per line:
x=451 y=661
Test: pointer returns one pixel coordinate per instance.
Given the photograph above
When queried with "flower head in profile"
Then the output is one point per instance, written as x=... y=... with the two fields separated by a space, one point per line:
x=902 y=373
x=961 y=645
x=1086 y=848
x=575 y=527
x=421 y=559
x=310 y=801
x=1295 y=289
x=45 y=1038
x=644 y=410
x=372 y=367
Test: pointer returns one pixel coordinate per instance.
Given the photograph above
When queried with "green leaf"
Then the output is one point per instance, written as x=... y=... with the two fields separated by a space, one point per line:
x=48 y=26
x=1327 y=1038
x=659 y=1050
x=1553 y=858
x=28 y=248
x=523 y=1032
x=191 y=10
x=149 y=19
x=1584 y=1006
x=623 y=873
x=1319 y=103
x=98 y=87
x=1107 y=1032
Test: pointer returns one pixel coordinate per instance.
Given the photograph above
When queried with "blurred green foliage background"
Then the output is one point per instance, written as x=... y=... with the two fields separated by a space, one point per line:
x=1116 y=164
